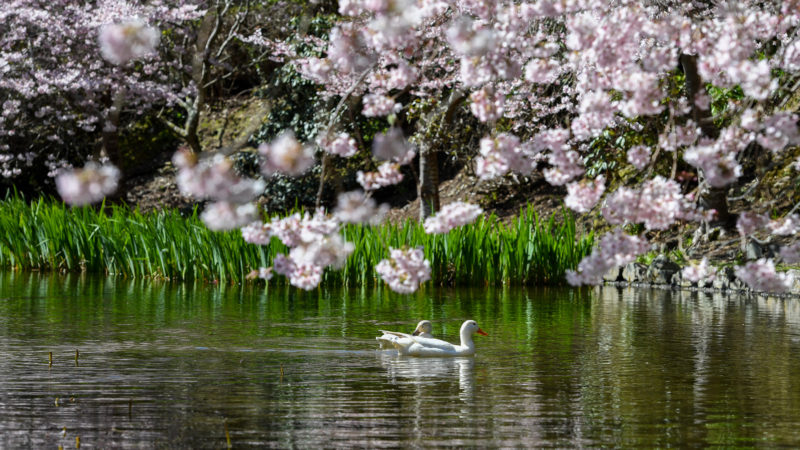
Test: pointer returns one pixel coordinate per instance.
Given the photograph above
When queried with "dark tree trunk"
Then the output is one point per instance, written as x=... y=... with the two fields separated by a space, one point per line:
x=709 y=197
x=428 y=189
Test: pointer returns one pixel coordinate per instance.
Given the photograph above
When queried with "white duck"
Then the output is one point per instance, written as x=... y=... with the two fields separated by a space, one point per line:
x=424 y=328
x=421 y=346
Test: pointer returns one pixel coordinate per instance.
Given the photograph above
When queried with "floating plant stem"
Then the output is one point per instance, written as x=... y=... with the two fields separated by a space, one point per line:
x=227 y=435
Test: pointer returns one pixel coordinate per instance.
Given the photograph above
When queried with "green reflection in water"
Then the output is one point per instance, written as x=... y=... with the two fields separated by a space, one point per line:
x=560 y=367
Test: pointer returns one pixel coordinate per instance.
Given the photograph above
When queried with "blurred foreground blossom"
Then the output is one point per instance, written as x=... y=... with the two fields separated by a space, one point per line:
x=761 y=276
x=790 y=254
x=88 y=185
x=356 y=207
x=616 y=249
x=451 y=216
x=123 y=42
x=221 y=216
x=392 y=146
x=405 y=270
x=214 y=179
x=387 y=175
x=700 y=272
x=304 y=276
x=376 y=105
x=265 y=273
x=583 y=195
x=285 y=154
x=342 y=144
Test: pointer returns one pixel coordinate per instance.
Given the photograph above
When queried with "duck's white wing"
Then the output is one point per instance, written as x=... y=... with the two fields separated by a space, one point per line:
x=432 y=343
x=391 y=338
x=395 y=333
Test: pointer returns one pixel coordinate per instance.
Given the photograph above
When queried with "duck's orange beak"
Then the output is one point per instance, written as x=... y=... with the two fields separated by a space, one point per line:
x=416 y=333
x=482 y=333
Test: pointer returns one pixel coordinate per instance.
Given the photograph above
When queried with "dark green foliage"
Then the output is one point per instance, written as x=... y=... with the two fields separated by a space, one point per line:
x=46 y=235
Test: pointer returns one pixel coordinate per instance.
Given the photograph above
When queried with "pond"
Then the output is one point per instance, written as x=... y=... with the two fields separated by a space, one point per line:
x=184 y=365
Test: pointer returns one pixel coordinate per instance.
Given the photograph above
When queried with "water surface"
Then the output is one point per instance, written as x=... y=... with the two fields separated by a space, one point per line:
x=176 y=365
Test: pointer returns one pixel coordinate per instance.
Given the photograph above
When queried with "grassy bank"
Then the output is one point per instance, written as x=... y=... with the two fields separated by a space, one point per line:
x=48 y=236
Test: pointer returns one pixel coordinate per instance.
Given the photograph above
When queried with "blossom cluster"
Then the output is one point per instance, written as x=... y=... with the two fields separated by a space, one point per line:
x=701 y=271
x=376 y=105
x=62 y=62
x=615 y=249
x=285 y=155
x=88 y=185
x=342 y=144
x=314 y=244
x=393 y=146
x=487 y=105
x=658 y=204
x=582 y=196
x=502 y=154
x=357 y=207
x=749 y=222
x=761 y=276
x=790 y=254
x=216 y=180
x=451 y=216
x=405 y=269
x=123 y=42
x=388 y=174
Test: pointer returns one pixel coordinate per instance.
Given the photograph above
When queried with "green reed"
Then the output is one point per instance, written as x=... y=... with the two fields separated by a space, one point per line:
x=115 y=240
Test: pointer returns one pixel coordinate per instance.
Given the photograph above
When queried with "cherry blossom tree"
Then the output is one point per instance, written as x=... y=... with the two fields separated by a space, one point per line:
x=70 y=71
x=547 y=82
x=571 y=70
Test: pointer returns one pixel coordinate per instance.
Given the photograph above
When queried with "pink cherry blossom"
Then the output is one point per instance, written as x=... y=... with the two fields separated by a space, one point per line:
x=790 y=254
x=286 y=155
x=583 y=195
x=123 y=42
x=658 y=204
x=487 y=105
x=258 y=233
x=392 y=146
x=779 y=131
x=504 y=153
x=214 y=178
x=329 y=250
x=566 y=166
x=297 y=229
x=356 y=207
x=88 y=185
x=342 y=144
x=761 y=276
x=404 y=270
x=701 y=271
x=376 y=105
x=223 y=215
x=387 y=175
x=303 y=276
x=615 y=249
x=451 y=216
x=265 y=273
x=749 y=222
x=639 y=156
x=787 y=226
